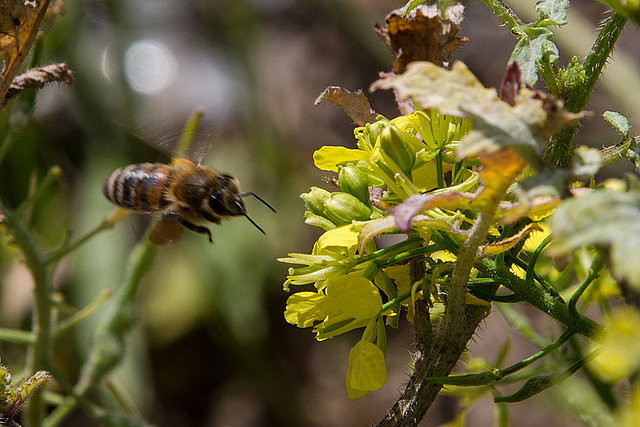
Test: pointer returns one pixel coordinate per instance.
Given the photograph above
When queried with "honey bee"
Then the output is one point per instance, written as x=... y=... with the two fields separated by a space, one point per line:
x=185 y=194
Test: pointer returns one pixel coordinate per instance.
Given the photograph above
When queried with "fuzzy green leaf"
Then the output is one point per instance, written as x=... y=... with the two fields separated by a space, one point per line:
x=530 y=388
x=524 y=127
x=534 y=46
x=602 y=218
x=618 y=121
x=552 y=12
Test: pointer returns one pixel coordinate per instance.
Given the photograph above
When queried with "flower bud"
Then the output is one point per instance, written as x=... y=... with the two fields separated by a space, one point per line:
x=315 y=200
x=318 y=221
x=394 y=146
x=353 y=181
x=343 y=208
x=373 y=131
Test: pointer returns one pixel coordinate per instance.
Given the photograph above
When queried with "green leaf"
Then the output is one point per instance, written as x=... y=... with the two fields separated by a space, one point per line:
x=633 y=153
x=524 y=127
x=354 y=295
x=411 y=4
x=530 y=388
x=534 y=47
x=367 y=371
x=552 y=12
x=618 y=121
x=602 y=218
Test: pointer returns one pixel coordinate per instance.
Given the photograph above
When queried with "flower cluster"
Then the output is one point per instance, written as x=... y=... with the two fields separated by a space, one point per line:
x=356 y=285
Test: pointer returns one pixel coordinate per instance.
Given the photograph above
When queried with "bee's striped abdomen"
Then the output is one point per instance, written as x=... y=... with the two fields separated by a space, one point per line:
x=139 y=187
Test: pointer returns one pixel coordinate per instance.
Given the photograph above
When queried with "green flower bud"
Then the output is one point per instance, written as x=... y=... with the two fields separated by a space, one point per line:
x=343 y=208
x=315 y=200
x=354 y=181
x=393 y=145
x=373 y=131
x=318 y=221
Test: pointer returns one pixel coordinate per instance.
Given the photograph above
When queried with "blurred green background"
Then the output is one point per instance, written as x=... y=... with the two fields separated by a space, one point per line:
x=211 y=347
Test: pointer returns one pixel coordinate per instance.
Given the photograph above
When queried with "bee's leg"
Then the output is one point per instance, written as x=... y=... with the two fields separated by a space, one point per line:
x=197 y=229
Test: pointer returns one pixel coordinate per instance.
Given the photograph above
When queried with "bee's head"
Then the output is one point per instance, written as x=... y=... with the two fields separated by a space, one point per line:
x=226 y=199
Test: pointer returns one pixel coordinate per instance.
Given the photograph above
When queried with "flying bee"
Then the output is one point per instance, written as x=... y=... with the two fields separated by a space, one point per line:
x=185 y=194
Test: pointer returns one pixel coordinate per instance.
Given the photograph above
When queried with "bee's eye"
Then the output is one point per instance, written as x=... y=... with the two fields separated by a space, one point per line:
x=215 y=203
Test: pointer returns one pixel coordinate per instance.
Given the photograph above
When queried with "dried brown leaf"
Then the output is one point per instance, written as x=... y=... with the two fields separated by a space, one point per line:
x=422 y=36
x=499 y=170
x=19 y=23
x=37 y=78
x=355 y=104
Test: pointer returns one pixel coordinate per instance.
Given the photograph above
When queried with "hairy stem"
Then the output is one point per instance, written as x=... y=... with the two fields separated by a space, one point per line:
x=561 y=149
x=504 y=13
x=437 y=357
x=38 y=353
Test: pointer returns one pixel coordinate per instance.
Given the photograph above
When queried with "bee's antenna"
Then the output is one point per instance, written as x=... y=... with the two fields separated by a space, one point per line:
x=253 y=222
x=249 y=193
x=241 y=208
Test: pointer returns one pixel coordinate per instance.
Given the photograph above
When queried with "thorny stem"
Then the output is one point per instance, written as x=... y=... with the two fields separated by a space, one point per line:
x=440 y=356
x=38 y=354
x=560 y=148
x=504 y=13
x=534 y=295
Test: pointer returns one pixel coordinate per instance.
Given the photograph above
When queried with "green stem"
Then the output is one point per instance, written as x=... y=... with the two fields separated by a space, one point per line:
x=38 y=353
x=560 y=149
x=531 y=294
x=405 y=256
x=504 y=13
x=594 y=272
x=17 y=336
x=489 y=377
x=56 y=254
x=72 y=321
x=188 y=132
x=540 y=299
x=108 y=349
x=440 y=170
x=124 y=399
x=52 y=176
x=539 y=355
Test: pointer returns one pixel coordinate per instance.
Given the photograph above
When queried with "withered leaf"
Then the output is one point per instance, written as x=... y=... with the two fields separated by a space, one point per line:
x=494 y=249
x=511 y=84
x=355 y=104
x=422 y=36
x=498 y=172
x=19 y=22
x=36 y=78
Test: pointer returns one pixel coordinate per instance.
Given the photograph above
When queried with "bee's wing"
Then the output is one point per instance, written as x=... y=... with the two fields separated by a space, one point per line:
x=166 y=230
x=164 y=135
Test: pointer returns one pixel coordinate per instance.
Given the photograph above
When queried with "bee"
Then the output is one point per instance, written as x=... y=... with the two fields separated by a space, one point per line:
x=185 y=194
